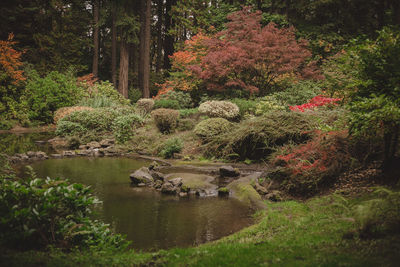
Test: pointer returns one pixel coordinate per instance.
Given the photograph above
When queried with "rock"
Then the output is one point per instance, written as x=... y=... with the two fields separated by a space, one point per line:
x=83 y=152
x=274 y=196
x=169 y=188
x=176 y=181
x=228 y=171
x=22 y=156
x=107 y=142
x=83 y=147
x=141 y=176
x=260 y=189
x=93 y=144
x=68 y=153
x=58 y=142
x=141 y=185
x=158 y=184
x=14 y=159
x=56 y=156
x=41 y=155
x=183 y=194
x=157 y=175
x=223 y=191
x=177 y=156
x=31 y=154
x=153 y=165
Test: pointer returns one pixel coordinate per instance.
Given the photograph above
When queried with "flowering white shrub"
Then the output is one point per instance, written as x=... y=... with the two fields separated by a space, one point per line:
x=219 y=109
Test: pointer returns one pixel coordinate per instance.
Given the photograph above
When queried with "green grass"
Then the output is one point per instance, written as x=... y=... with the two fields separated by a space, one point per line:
x=287 y=234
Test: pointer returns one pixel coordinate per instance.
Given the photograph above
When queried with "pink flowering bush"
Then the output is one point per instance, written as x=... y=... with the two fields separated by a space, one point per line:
x=317 y=101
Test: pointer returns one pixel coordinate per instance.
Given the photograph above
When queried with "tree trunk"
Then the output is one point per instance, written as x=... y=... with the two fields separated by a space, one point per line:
x=146 y=50
x=123 y=69
x=396 y=12
x=114 y=46
x=160 y=9
x=169 y=39
x=95 y=69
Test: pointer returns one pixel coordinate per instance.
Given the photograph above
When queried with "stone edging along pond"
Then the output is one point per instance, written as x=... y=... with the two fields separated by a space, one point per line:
x=180 y=180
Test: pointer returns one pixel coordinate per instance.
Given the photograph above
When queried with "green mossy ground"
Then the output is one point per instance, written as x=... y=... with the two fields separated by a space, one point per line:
x=318 y=232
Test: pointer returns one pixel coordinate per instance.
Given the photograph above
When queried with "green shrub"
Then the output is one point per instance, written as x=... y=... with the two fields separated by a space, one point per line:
x=183 y=99
x=45 y=95
x=246 y=106
x=189 y=112
x=298 y=93
x=98 y=101
x=145 y=105
x=258 y=137
x=37 y=212
x=134 y=94
x=106 y=90
x=167 y=103
x=379 y=216
x=123 y=126
x=62 y=112
x=209 y=128
x=267 y=104
x=74 y=142
x=186 y=124
x=219 y=109
x=171 y=146
x=69 y=128
x=165 y=119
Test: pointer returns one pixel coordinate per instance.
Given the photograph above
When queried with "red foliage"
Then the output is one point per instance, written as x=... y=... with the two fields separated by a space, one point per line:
x=321 y=154
x=249 y=56
x=10 y=60
x=315 y=102
x=87 y=80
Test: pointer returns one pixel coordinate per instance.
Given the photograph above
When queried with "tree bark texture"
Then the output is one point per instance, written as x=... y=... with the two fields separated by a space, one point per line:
x=95 y=68
x=123 y=69
x=114 y=46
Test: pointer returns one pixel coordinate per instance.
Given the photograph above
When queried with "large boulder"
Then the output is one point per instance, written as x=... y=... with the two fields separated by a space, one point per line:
x=141 y=176
x=169 y=188
x=228 y=171
x=176 y=181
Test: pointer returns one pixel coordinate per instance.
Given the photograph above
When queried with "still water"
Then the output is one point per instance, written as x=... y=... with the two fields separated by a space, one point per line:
x=11 y=144
x=149 y=219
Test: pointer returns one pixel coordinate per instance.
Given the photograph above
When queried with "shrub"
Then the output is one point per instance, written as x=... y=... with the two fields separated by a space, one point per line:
x=41 y=212
x=167 y=103
x=379 y=216
x=184 y=113
x=209 y=128
x=106 y=90
x=69 y=128
x=145 y=105
x=134 y=94
x=258 y=137
x=45 y=95
x=99 y=119
x=62 y=112
x=123 y=126
x=317 y=101
x=183 y=99
x=73 y=142
x=267 y=104
x=186 y=124
x=98 y=101
x=314 y=164
x=298 y=93
x=171 y=146
x=245 y=106
x=221 y=109
x=165 y=119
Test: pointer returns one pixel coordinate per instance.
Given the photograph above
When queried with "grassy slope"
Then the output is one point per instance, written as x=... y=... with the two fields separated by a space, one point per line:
x=288 y=234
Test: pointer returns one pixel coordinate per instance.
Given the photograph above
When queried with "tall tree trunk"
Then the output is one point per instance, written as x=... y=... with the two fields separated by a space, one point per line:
x=142 y=8
x=114 y=45
x=169 y=39
x=396 y=12
x=96 y=6
x=123 y=69
x=146 y=50
x=160 y=9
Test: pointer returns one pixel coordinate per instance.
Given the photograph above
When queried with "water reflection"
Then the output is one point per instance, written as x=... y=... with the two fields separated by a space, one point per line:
x=23 y=142
x=149 y=219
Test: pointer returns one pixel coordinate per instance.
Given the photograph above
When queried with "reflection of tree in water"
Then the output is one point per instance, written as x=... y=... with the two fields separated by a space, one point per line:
x=21 y=143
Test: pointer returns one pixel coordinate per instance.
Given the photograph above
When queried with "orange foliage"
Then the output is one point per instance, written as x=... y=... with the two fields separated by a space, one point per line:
x=184 y=62
x=10 y=60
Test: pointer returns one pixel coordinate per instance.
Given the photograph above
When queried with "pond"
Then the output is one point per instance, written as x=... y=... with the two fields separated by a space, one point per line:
x=11 y=144
x=148 y=218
